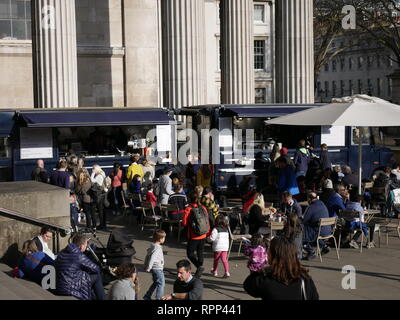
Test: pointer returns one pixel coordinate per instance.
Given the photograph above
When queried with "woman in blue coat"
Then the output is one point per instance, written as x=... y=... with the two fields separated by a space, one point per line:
x=32 y=263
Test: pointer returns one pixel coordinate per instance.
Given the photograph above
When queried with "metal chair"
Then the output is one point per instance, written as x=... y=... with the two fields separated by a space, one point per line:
x=351 y=215
x=167 y=208
x=237 y=238
x=327 y=222
x=390 y=226
x=149 y=220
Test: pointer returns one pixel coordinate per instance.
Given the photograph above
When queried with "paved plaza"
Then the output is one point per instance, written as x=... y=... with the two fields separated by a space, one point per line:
x=377 y=269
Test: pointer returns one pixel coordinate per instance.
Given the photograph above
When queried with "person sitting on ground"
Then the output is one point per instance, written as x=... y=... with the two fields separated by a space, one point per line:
x=42 y=241
x=40 y=174
x=76 y=274
x=127 y=285
x=290 y=205
x=186 y=287
x=32 y=262
x=311 y=218
x=358 y=222
x=284 y=278
x=180 y=201
x=256 y=249
x=286 y=177
x=294 y=232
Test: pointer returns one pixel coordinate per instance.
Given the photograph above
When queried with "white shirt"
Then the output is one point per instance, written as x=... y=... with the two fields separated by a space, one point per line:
x=46 y=248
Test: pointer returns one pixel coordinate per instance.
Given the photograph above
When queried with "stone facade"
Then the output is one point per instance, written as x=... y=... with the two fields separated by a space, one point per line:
x=120 y=55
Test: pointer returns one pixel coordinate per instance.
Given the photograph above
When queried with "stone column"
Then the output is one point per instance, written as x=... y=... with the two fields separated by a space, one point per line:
x=395 y=76
x=237 y=51
x=54 y=53
x=294 y=51
x=183 y=35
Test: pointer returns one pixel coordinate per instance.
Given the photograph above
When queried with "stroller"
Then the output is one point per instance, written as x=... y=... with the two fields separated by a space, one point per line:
x=119 y=250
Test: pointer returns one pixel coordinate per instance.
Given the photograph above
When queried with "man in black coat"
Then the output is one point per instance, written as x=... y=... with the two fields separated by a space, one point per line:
x=325 y=158
x=290 y=205
x=40 y=174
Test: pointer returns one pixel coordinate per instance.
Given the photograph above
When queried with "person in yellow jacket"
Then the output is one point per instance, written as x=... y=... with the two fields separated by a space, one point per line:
x=134 y=169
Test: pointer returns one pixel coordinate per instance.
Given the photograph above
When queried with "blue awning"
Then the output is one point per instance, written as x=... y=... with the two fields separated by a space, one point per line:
x=6 y=123
x=95 y=118
x=266 y=111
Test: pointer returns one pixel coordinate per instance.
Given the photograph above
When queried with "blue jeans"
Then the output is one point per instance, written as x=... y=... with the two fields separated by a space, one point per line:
x=158 y=285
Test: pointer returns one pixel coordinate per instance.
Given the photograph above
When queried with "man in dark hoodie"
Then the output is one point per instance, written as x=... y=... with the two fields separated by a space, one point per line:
x=301 y=159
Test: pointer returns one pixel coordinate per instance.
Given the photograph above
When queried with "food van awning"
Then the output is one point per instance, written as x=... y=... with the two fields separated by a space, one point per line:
x=6 y=123
x=95 y=118
x=264 y=111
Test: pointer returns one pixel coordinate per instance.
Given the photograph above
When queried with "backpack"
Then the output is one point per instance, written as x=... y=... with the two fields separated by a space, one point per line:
x=199 y=221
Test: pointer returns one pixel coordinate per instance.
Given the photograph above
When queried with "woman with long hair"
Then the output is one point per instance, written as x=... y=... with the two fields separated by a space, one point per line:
x=83 y=191
x=294 y=232
x=284 y=278
x=258 y=215
x=127 y=285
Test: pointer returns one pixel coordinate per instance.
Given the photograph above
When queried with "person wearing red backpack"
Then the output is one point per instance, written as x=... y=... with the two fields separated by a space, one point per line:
x=196 y=219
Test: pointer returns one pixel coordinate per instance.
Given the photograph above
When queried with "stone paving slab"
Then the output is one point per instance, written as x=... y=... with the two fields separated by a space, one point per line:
x=377 y=269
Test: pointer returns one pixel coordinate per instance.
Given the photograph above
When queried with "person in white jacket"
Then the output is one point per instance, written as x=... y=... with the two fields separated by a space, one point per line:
x=98 y=177
x=220 y=238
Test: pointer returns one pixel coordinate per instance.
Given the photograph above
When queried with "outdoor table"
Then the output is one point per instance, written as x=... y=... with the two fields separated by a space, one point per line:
x=370 y=214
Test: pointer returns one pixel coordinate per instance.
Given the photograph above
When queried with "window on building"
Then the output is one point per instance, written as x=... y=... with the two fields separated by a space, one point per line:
x=370 y=87
x=369 y=62
x=351 y=87
x=378 y=61
x=259 y=54
x=342 y=88
x=334 y=65
x=342 y=64
x=318 y=88
x=333 y=88
x=261 y=95
x=360 y=62
x=259 y=13
x=350 y=63
x=360 y=86
x=388 y=61
x=326 y=89
x=378 y=86
x=326 y=67
x=15 y=19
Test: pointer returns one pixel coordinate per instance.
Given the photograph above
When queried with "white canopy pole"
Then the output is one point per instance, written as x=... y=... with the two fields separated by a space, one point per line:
x=360 y=160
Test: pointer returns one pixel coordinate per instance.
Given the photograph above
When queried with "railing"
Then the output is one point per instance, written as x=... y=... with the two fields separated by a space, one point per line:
x=59 y=230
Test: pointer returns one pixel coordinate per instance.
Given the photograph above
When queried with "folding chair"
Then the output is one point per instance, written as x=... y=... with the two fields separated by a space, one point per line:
x=237 y=238
x=323 y=222
x=149 y=219
x=167 y=208
x=352 y=214
x=390 y=226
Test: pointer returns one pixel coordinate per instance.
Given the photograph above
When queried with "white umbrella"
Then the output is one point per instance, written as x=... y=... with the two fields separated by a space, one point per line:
x=355 y=111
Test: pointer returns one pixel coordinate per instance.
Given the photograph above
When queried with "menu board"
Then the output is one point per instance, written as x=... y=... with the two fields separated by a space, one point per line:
x=164 y=138
x=333 y=136
x=36 y=143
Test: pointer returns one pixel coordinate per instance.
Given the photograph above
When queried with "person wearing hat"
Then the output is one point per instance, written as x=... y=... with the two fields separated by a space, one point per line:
x=285 y=153
x=165 y=186
x=327 y=191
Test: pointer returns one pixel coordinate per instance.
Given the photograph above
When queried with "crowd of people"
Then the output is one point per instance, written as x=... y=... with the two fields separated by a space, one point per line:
x=275 y=271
